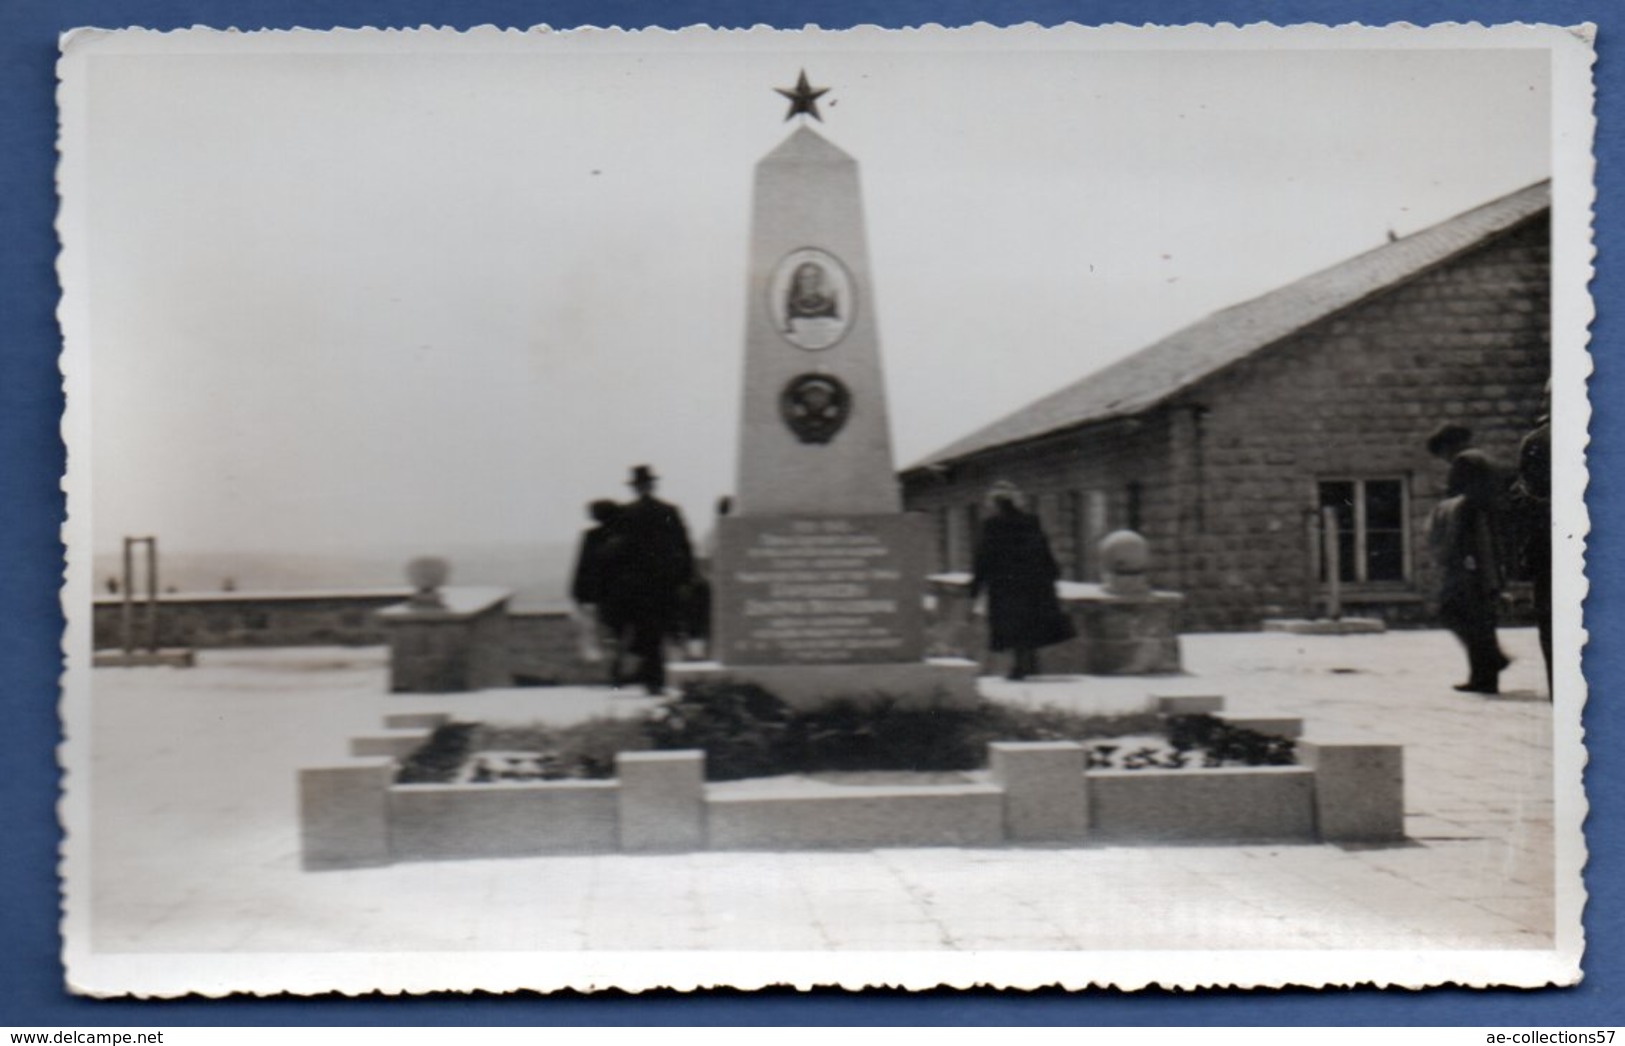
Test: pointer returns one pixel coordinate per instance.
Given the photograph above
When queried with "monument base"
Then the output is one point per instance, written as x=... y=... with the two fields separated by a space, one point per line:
x=937 y=682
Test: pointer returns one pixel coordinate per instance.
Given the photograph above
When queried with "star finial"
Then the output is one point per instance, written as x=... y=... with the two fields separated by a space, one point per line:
x=804 y=98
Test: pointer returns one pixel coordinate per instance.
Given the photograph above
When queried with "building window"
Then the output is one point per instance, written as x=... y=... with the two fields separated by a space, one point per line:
x=1063 y=536
x=1372 y=541
x=1091 y=523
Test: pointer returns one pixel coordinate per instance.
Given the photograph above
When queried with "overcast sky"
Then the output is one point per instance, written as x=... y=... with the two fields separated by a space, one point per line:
x=369 y=298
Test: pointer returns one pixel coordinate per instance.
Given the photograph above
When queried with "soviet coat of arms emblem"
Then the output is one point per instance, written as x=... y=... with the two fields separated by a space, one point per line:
x=815 y=407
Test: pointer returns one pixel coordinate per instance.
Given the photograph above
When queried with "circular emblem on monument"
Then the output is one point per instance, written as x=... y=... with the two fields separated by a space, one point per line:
x=815 y=407
x=811 y=299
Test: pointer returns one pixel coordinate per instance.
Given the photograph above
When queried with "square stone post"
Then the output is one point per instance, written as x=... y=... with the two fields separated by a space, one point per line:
x=1045 y=795
x=344 y=814
x=1359 y=790
x=662 y=800
x=457 y=644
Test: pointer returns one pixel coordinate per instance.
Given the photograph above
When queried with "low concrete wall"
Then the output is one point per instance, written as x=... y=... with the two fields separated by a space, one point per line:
x=351 y=813
x=953 y=815
x=433 y=821
x=1229 y=804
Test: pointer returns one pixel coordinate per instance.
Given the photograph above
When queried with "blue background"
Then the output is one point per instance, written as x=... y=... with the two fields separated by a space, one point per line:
x=31 y=555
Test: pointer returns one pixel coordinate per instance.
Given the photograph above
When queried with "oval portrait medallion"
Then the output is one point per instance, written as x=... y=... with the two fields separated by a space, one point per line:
x=815 y=406
x=811 y=299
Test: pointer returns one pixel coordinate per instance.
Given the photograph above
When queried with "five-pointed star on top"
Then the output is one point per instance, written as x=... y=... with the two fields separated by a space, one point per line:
x=804 y=99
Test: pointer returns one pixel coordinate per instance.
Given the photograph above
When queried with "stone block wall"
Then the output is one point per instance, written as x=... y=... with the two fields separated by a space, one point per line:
x=1354 y=396
x=209 y=620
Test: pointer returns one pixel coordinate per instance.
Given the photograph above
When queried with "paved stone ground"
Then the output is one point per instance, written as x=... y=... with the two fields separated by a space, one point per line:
x=196 y=843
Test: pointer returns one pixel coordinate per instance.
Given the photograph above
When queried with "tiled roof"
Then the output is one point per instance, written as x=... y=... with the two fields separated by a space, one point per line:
x=1150 y=376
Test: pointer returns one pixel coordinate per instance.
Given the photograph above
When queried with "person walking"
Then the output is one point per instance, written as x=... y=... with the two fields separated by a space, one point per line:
x=1463 y=536
x=1533 y=494
x=653 y=564
x=591 y=586
x=1016 y=568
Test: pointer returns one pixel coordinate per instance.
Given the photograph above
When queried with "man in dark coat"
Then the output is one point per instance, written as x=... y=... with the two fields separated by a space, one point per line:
x=1014 y=564
x=653 y=563
x=1464 y=536
x=1533 y=492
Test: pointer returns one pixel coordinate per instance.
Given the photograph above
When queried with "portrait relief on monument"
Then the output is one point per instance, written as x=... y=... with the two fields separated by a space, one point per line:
x=811 y=299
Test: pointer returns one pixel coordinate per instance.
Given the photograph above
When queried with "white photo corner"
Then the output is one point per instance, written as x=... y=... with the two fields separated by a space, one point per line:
x=1038 y=506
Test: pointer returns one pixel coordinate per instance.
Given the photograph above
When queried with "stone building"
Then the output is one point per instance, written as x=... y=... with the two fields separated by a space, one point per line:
x=1222 y=442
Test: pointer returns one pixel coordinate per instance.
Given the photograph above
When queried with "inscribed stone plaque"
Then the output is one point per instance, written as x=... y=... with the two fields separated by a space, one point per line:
x=820 y=589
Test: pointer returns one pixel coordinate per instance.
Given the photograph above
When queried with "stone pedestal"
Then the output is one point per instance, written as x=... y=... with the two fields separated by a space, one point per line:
x=661 y=800
x=1044 y=789
x=461 y=644
x=1359 y=790
x=1118 y=635
x=344 y=814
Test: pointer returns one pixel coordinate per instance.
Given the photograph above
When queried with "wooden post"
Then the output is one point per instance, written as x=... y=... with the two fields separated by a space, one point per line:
x=1334 y=564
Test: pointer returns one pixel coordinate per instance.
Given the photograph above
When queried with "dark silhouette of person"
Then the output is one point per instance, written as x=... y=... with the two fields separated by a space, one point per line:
x=590 y=585
x=1465 y=542
x=1015 y=566
x=1532 y=494
x=807 y=298
x=697 y=597
x=652 y=564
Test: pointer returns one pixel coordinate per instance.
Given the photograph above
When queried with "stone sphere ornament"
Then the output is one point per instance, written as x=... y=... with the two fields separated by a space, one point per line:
x=1125 y=558
x=426 y=574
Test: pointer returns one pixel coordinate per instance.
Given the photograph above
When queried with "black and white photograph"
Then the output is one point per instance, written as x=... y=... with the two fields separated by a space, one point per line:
x=1014 y=507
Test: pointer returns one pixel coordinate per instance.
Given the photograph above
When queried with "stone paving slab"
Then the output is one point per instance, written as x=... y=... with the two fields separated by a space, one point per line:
x=196 y=842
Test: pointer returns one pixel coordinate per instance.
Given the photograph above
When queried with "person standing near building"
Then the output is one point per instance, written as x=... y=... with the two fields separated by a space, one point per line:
x=1015 y=566
x=1533 y=491
x=1463 y=536
x=653 y=564
x=591 y=588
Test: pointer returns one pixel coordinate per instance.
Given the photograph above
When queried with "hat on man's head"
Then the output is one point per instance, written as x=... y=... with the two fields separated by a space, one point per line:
x=1449 y=434
x=1004 y=490
x=641 y=474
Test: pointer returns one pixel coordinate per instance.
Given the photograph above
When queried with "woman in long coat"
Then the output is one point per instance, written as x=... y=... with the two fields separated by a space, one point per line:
x=1016 y=568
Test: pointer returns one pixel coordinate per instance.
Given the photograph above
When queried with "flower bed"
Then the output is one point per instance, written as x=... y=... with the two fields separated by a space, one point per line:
x=1199 y=778
x=746 y=732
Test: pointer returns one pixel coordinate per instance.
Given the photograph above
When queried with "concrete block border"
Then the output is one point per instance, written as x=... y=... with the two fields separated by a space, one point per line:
x=352 y=814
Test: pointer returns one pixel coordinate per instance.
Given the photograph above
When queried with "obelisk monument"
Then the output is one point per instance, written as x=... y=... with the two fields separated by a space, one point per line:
x=819 y=576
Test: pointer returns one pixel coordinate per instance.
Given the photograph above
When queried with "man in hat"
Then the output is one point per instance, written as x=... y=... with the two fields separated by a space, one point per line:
x=1464 y=536
x=653 y=564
